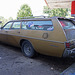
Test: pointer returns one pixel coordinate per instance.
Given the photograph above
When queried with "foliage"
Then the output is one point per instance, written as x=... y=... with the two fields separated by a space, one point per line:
x=10 y=18
x=4 y=20
x=60 y=12
x=24 y=11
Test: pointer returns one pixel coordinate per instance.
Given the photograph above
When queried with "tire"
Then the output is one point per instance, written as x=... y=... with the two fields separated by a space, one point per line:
x=28 y=49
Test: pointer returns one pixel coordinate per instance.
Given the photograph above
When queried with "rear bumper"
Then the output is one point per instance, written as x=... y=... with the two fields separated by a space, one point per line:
x=69 y=53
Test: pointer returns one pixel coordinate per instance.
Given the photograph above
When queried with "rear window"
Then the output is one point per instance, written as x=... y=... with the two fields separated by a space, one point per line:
x=67 y=24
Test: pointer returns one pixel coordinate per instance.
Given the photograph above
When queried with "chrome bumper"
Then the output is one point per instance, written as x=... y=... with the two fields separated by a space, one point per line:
x=69 y=53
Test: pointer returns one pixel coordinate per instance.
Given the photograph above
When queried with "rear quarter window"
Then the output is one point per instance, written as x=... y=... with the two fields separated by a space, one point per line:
x=38 y=25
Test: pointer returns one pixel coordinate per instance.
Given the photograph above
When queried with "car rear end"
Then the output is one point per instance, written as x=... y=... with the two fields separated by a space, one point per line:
x=69 y=30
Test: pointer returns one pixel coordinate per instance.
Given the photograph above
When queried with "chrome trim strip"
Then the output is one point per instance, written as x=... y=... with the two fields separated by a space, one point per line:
x=35 y=38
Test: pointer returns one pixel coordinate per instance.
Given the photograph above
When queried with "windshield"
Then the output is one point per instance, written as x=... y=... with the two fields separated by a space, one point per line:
x=67 y=24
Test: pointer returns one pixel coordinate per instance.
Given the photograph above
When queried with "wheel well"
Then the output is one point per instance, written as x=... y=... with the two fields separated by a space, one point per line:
x=21 y=41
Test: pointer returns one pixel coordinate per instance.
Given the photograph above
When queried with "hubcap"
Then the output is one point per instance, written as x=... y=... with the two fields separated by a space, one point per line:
x=27 y=49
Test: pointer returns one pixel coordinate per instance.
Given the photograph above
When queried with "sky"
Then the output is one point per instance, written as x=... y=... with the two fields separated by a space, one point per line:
x=9 y=8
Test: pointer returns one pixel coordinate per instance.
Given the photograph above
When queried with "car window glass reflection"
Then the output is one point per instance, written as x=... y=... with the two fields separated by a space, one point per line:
x=38 y=25
x=8 y=25
x=16 y=25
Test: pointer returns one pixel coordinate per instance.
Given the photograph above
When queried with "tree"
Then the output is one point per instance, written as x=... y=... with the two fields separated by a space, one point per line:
x=60 y=12
x=24 y=11
x=3 y=20
x=10 y=18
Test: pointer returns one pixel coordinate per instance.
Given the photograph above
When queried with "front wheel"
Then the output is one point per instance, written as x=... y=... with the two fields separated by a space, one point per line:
x=28 y=49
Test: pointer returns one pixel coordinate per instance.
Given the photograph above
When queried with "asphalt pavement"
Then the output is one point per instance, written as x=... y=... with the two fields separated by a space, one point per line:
x=12 y=62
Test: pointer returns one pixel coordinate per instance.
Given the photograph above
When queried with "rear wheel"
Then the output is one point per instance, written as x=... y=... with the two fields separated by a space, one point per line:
x=28 y=49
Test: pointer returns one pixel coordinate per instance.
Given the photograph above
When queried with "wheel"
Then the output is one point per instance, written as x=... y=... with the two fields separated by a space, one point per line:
x=28 y=49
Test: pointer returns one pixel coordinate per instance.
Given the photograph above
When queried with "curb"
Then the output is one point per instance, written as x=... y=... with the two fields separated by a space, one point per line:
x=69 y=71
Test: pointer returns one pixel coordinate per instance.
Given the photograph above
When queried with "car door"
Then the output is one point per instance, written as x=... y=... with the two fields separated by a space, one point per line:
x=4 y=32
x=14 y=33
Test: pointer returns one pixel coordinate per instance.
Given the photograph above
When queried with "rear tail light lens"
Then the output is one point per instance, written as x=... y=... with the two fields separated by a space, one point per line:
x=67 y=45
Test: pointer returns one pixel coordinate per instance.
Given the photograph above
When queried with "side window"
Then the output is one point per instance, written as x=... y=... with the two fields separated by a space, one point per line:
x=8 y=25
x=24 y=25
x=16 y=25
x=39 y=25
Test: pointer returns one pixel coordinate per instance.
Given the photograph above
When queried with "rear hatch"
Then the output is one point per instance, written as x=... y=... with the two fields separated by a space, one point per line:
x=69 y=29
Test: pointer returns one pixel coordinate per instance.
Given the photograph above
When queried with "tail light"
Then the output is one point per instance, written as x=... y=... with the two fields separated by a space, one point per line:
x=67 y=45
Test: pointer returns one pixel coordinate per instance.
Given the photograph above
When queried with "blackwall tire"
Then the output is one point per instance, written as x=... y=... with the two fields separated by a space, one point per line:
x=28 y=49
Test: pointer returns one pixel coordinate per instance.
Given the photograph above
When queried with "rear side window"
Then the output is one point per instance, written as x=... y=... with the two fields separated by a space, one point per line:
x=24 y=25
x=38 y=25
x=67 y=24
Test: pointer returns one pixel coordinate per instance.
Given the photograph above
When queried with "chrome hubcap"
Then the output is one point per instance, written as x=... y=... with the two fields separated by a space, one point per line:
x=27 y=49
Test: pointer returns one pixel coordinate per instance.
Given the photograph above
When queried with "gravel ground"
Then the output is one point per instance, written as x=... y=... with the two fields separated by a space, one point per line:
x=12 y=62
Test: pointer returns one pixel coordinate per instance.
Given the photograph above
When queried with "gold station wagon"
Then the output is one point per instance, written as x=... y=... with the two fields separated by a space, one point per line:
x=50 y=36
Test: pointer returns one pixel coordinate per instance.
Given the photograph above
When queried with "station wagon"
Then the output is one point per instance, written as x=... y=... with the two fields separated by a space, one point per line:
x=49 y=36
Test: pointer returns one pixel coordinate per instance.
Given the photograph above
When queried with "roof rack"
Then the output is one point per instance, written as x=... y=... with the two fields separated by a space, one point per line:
x=29 y=17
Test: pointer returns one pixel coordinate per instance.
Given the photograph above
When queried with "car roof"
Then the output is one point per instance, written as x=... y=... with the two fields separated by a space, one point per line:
x=35 y=19
x=32 y=19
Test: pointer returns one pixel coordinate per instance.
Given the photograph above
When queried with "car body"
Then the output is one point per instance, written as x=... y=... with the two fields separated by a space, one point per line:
x=50 y=36
x=73 y=19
